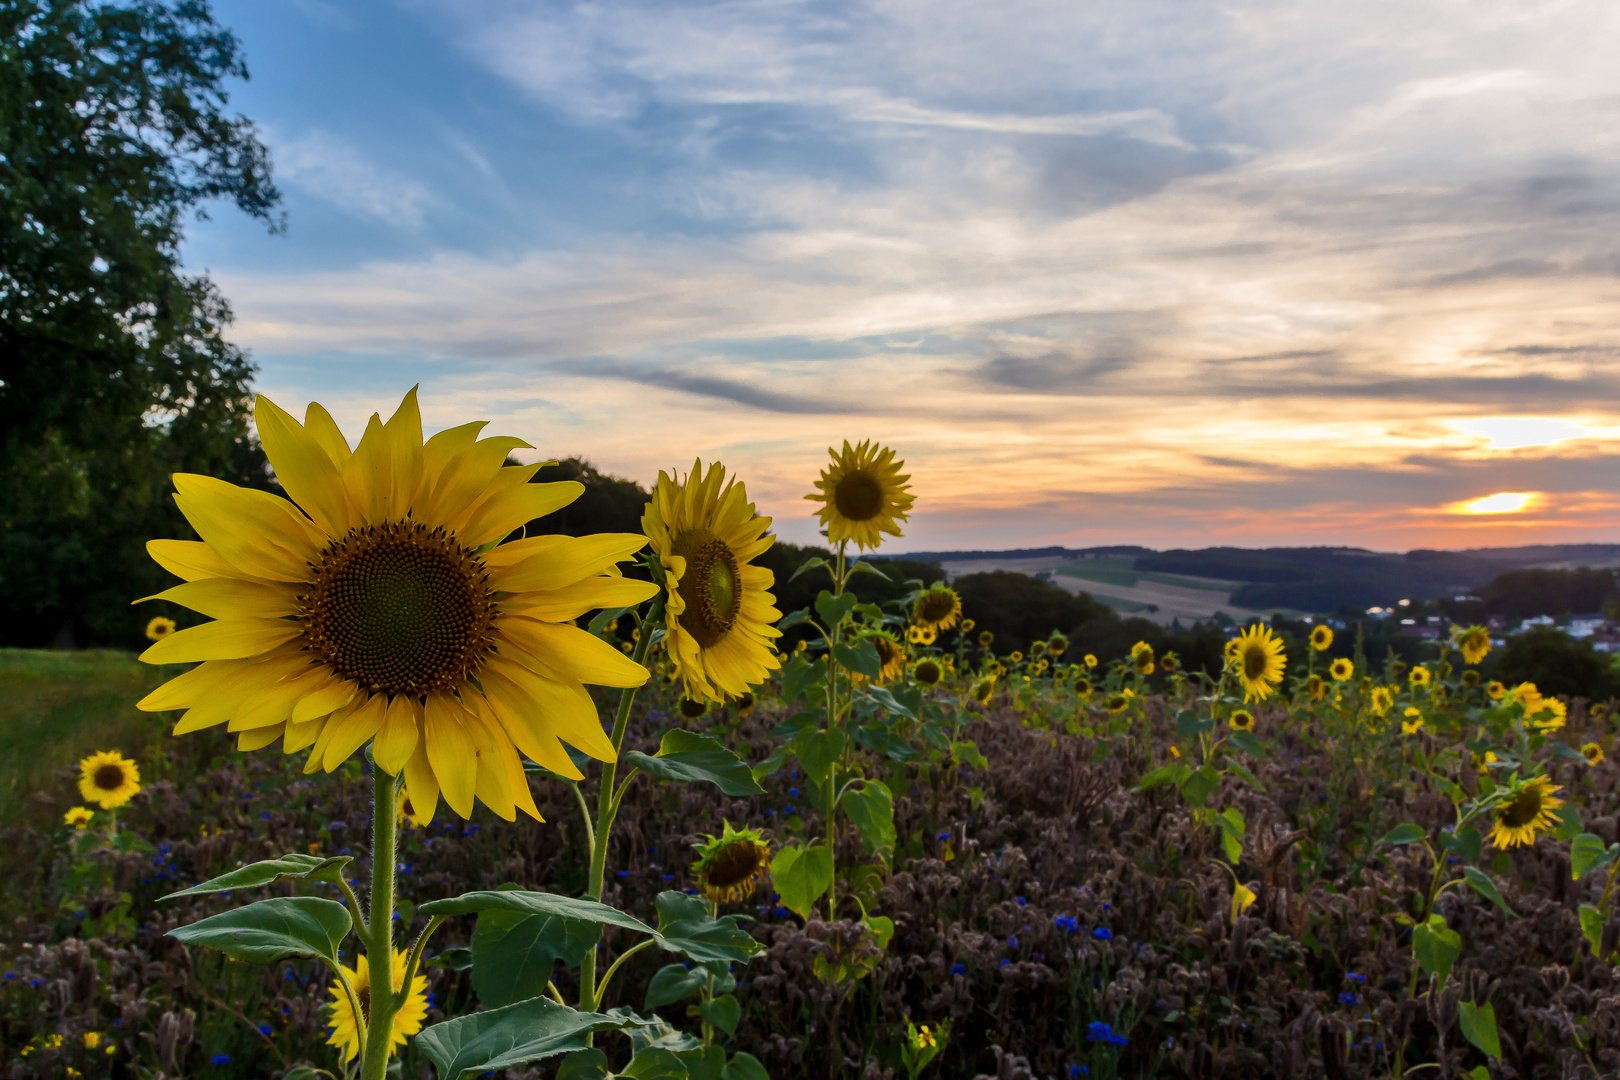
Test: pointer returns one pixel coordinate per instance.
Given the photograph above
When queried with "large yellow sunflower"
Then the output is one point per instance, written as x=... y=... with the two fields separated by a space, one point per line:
x=108 y=779
x=864 y=493
x=375 y=606
x=348 y=1033
x=937 y=608
x=720 y=611
x=1258 y=658
x=1516 y=819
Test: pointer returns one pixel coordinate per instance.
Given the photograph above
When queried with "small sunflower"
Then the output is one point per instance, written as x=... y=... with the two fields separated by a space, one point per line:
x=109 y=779
x=983 y=690
x=1495 y=690
x=1016 y=657
x=1241 y=720
x=1413 y=722
x=1592 y=752
x=914 y=635
x=1383 y=699
x=1259 y=661
x=743 y=703
x=1321 y=638
x=938 y=608
x=1398 y=670
x=348 y=1031
x=986 y=637
x=1527 y=808
x=1470 y=678
x=967 y=624
x=1231 y=650
x=729 y=867
x=891 y=655
x=1553 y=714
x=720 y=610
x=1082 y=686
x=1473 y=643
x=80 y=816
x=1315 y=688
x=1118 y=702
x=1143 y=662
x=159 y=628
x=1341 y=670
x=1420 y=676
x=1140 y=648
x=1598 y=713
x=1038 y=667
x=928 y=672
x=1527 y=695
x=1036 y=649
x=863 y=493
x=693 y=708
x=1169 y=664
x=1057 y=644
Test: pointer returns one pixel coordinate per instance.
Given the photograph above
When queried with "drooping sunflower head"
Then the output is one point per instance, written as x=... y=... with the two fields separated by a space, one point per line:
x=938 y=608
x=1321 y=638
x=1057 y=644
x=719 y=611
x=1143 y=662
x=1473 y=643
x=1241 y=720
x=729 y=867
x=1315 y=688
x=744 y=703
x=1419 y=676
x=1117 y=703
x=928 y=672
x=1141 y=648
x=693 y=708
x=1528 y=696
x=1598 y=713
x=891 y=654
x=80 y=816
x=1398 y=670
x=159 y=628
x=1037 y=649
x=379 y=604
x=1525 y=808
x=1592 y=752
x=863 y=494
x=348 y=1031
x=985 y=638
x=1495 y=690
x=1258 y=662
x=983 y=690
x=1082 y=686
x=1470 y=678
x=108 y=779
x=1169 y=663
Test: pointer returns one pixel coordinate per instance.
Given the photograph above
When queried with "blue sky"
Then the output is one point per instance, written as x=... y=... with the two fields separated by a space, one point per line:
x=1162 y=273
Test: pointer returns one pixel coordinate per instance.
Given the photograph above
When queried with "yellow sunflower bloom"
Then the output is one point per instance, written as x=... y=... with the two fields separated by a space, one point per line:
x=1341 y=670
x=1315 y=688
x=891 y=655
x=1241 y=720
x=1420 y=676
x=1140 y=648
x=1592 y=752
x=1529 y=807
x=864 y=495
x=1259 y=661
x=938 y=608
x=928 y=672
x=348 y=1033
x=1473 y=643
x=730 y=866
x=1016 y=657
x=1383 y=699
x=720 y=611
x=159 y=628
x=1321 y=638
x=1057 y=644
x=1413 y=722
x=373 y=607
x=1091 y=660
x=1552 y=714
x=80 y=816
x=1495 y=690
x=108 y=779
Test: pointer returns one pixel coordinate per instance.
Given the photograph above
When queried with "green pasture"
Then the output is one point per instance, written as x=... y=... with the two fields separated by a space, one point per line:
x=1129 y=579
x=56 y=707
x=1125 y=579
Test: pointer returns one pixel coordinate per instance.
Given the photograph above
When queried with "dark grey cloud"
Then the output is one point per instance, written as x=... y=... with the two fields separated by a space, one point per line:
x=717 y=387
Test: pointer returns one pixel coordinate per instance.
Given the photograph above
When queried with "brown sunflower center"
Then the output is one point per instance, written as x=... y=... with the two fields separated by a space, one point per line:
x=399 y=608
x=711 y=587
x=736 y=863
x=858 y=497
x=362 y=991
x=1524 y=808
x=109 y=777
x=936 y=605
x=1254 y=662
x=929 y=672
x=692 y=708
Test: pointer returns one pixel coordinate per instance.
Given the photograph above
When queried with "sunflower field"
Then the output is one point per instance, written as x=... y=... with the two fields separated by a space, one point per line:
x=555 y=806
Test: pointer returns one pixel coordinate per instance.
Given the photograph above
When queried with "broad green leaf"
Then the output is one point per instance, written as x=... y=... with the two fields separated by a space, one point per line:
x=534 y=903
x=685 y=926
x=589 y=1064
x=808 y=565
x=870 y=808
x=599 y=623
x=1479 y=1027
x=1248 y=743
x=858 y=656
x=1592 y=928
x=967 y=752
x=513 y=953
x=655 y=1031
x=685 y=756
x=1173 y=773
x=1404 y=834
x=1252 y=780
x=793 y=618
x=1189 y=723
x=654 y=1063
x=1479 y=1072
x=771 y=765
x=882 y=928
x=1587 y=852
x=817 y=751
x=801 y=677
x=834 y=609
x=744 y=1066
x=1482 y=884
x=1436 y=947
x=704 y=1063
x=801 y=876
x=1453 y=791
x=514 y=1035
x=1198 y=785
x=1569 y=815
x=272 y=930
x=862 y=566
x=1232 y=828
x=724 y=1012
x=1465 y=843
x=270 y=871
x=794 y=725
x=889 y=703
x=672 y=983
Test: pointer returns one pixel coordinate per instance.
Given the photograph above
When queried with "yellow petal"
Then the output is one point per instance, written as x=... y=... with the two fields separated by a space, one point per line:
x=421 y=784
x=571 y=652
x=186 y=690
x=466 y=477
x=189 y=559
x=438 y=451
x=227 y=597
x=259 y=738
x=556 y=710
x=567 y=560
x=318 y=422
x=256 y=532
x=300 y=736
x=569 y=603
x=506 y=511
x=353 y=731
x=223 y=639
x=451 y=753
x=325 y=698
x=303 y=467
x=489 y=783
x=520 y=716
x=396 y=741
x=248 y=682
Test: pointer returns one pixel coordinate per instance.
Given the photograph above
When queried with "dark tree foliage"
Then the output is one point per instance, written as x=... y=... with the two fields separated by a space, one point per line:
x=1017 y=609
x=113 y=370
x=609 y=503
x=1556 y=663
x=1523 y=594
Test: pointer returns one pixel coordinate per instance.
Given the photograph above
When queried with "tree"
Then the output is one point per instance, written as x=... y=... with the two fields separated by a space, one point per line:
x=1556 y=663
x=113 y=369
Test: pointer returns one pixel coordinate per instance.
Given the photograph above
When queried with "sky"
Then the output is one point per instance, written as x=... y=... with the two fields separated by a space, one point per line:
x=1164 y=273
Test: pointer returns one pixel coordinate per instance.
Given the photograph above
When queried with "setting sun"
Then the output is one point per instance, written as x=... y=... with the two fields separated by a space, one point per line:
x=1504 y=502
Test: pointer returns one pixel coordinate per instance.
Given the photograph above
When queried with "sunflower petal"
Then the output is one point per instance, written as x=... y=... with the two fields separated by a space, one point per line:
x=572 y=652
x=352 y=732
x=519 y=714
x=504 y=511
x=569 y=560
x=302 y=736
x=396 y=741
x=318 y=422
x=572 y=601
x=555 y=710
x=225 y=597
x=189 y=559
x=325 y=698
x=420 y=783
x=196 y=685
x=258 y=533
x=452 y=753
x=222 y=639
x=466 y=477
x=303 y=467
x=259 y=738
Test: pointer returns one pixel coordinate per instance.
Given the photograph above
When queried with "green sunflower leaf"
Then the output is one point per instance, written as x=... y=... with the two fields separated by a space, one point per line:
x=1588 y=852
x=672 y=983
x=513 y=953
x=744 y=1066
x=1479 y=1027
x=514 y=1035
x=801 y=677
x=1436 y=947
x=862 y=566
x=1482 y=884
x=685 y=756
x=1404 y=834
x=685 y=926
x=589 y=1064
x=654 y=1063
x=793 y=618
x=534 y=903
x=272 y=930
x=870 y=807
x=724 y=1012
x=834 y=609
x=270 y=871
x=808 y=565
x=1592 y=928
x=860 y=657
x=801 y=876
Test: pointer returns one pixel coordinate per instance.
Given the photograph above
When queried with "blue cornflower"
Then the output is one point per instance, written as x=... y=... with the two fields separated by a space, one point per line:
x=220 y=1059
x=1078 y=1070
x=958 y=969
x=1066 y=922
x=944 y=835
x=1102 y=933
x=1012 y=942
x=794 y=793
x=1348 y=998
x=336 y=826
x=265 y=1029
x=1354 y=977
x=1020 y=901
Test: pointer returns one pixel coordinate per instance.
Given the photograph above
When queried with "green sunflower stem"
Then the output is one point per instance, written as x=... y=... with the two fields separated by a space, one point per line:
x=380 y=932
x=840 y=582
x=607 y=805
